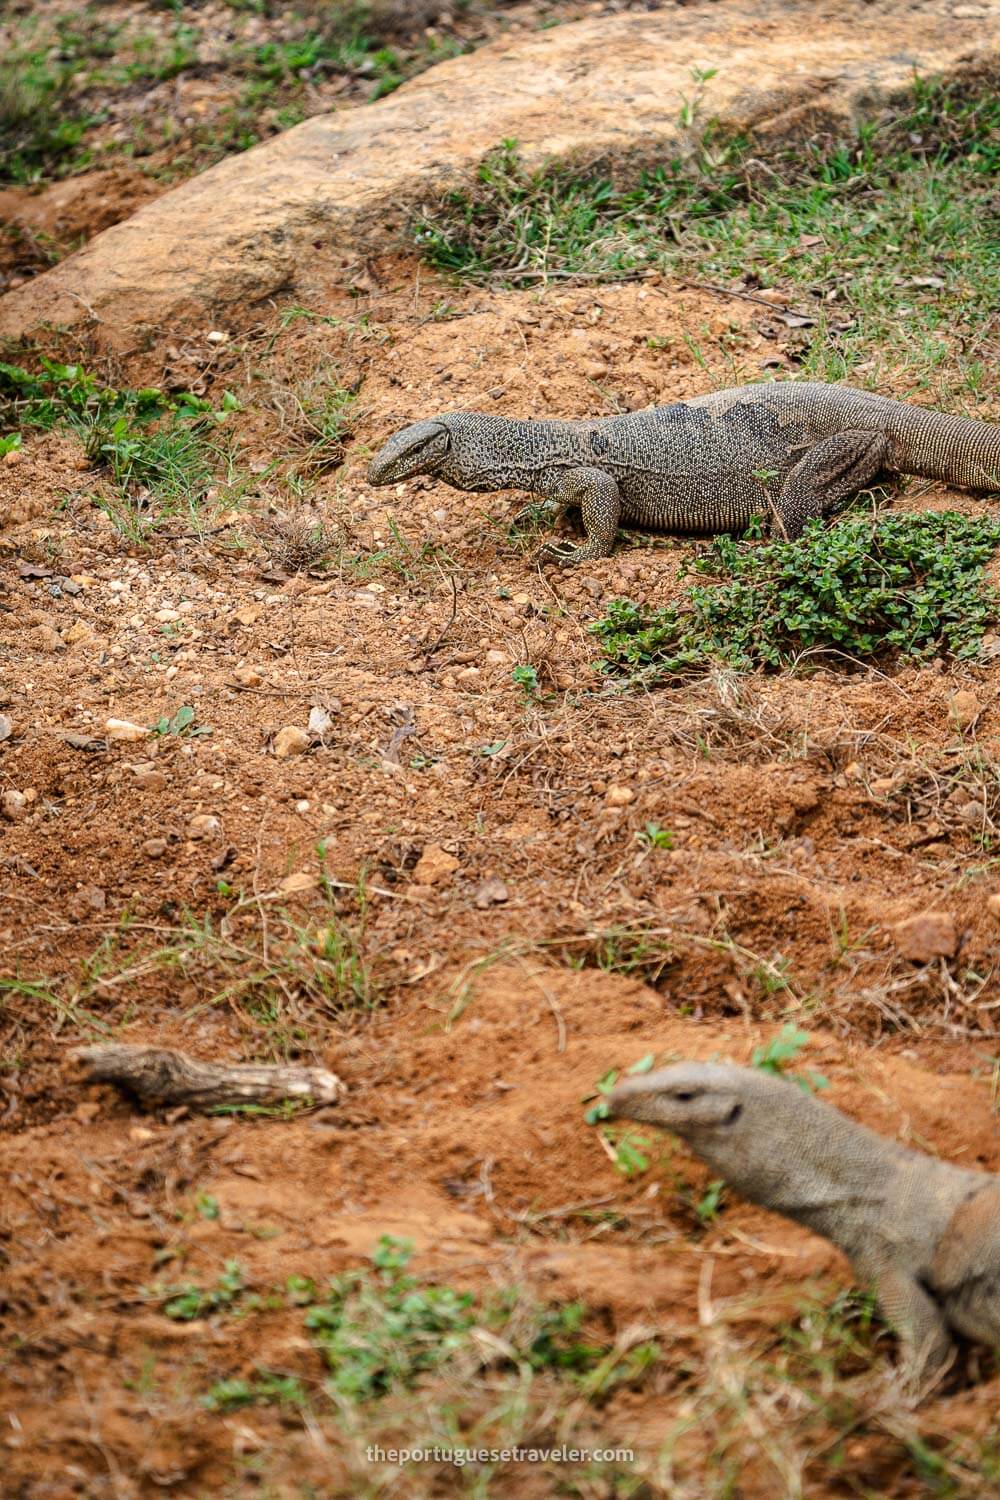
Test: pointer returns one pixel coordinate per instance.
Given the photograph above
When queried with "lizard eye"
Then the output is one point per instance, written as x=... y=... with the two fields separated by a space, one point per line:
x=684 y=1095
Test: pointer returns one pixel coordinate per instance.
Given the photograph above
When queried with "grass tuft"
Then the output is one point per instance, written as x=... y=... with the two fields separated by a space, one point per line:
x=885 y=242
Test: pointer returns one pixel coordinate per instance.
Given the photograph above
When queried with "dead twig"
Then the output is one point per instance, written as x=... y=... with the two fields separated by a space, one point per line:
x=174 y=1078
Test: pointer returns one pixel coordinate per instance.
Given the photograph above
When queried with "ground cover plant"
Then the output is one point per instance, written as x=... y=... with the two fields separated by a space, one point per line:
x=853 y=591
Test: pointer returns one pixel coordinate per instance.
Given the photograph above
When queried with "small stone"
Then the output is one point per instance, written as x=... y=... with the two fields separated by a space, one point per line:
x=993 y=904
x=14 y=456
x=467 y=674
x=80 y=631
x=926 y=936
x=434 y=866
x=971 y=812
x=149 y=779
x=154 y=848
x=124 y=729
x=216 y=336
x=166 y=616
x=86 y=1112
x=964 y=707
x=290 y=741
x=319 y=720
x=47 y=639
x=301 y=880
x=141 y=1134
x=203 y=826
x=619 y=796
x=6 y=727
x=13 y=804
x=497 y=658
x=492 y=892
x=248 y=676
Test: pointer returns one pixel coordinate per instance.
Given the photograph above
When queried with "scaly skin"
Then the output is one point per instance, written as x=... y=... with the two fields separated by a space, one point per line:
x=788 y=451
x=924 y=1233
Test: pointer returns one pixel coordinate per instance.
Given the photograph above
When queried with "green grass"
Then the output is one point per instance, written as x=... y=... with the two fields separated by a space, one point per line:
x=57 y=66
x=380 y=1331
x=44 y=114
x=909 y=585
x=887 y=241
x=161 y=453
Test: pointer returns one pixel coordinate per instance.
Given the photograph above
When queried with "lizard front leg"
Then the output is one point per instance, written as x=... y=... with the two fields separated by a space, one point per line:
x=829 y=473
x=914 y=1314
x=596 y=493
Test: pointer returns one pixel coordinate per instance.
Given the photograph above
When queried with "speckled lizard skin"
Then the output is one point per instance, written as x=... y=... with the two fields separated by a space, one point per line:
x=787 y=450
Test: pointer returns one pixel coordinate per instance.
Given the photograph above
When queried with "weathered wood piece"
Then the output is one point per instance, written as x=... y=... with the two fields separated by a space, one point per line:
x=174 y=1078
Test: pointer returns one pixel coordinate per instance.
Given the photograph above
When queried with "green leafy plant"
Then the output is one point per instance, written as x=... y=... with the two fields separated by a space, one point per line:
x=628 y=1151
x=185 y=1303
x=380 y=1330
x=263 y=1389
x=180 y=722
x=911 y=584
x=783 y=1049
x=707 y=1207
x=627 y=1148
x=652 y=836
x=526 y=678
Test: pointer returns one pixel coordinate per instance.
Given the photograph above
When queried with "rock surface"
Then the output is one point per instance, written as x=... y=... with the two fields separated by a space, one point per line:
x=607 y=87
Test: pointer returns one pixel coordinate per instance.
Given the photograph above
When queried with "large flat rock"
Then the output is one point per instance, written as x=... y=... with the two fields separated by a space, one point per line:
x=602 y=88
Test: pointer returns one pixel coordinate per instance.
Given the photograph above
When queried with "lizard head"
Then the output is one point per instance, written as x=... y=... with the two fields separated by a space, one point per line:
x=418 y=449
x=690 y=1098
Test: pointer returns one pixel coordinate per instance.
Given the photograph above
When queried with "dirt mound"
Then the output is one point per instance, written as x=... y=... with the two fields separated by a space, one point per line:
x=612 y=87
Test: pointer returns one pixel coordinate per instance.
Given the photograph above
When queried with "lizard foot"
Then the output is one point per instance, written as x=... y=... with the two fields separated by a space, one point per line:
x=564 y=554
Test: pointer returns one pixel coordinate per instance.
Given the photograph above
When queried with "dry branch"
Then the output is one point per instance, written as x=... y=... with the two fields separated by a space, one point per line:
x=174 y=1078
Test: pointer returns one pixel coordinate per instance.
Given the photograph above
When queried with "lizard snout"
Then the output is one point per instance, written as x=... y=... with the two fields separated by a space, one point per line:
x=417 y=449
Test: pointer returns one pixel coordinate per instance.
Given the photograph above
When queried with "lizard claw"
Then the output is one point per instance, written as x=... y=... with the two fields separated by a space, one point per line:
x=564 y=554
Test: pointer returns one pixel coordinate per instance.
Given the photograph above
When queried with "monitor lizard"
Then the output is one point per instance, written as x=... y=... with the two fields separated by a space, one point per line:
x=924 y=1233
x=789 y=450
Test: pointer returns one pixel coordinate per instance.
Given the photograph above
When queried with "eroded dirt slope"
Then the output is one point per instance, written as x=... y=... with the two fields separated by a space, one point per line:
x=521 y=931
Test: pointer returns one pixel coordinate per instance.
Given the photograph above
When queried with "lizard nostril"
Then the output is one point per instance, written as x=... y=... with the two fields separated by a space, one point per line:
x=734 y=1114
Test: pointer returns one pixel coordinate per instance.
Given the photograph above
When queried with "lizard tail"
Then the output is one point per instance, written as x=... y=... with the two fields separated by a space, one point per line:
x=934 y=445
